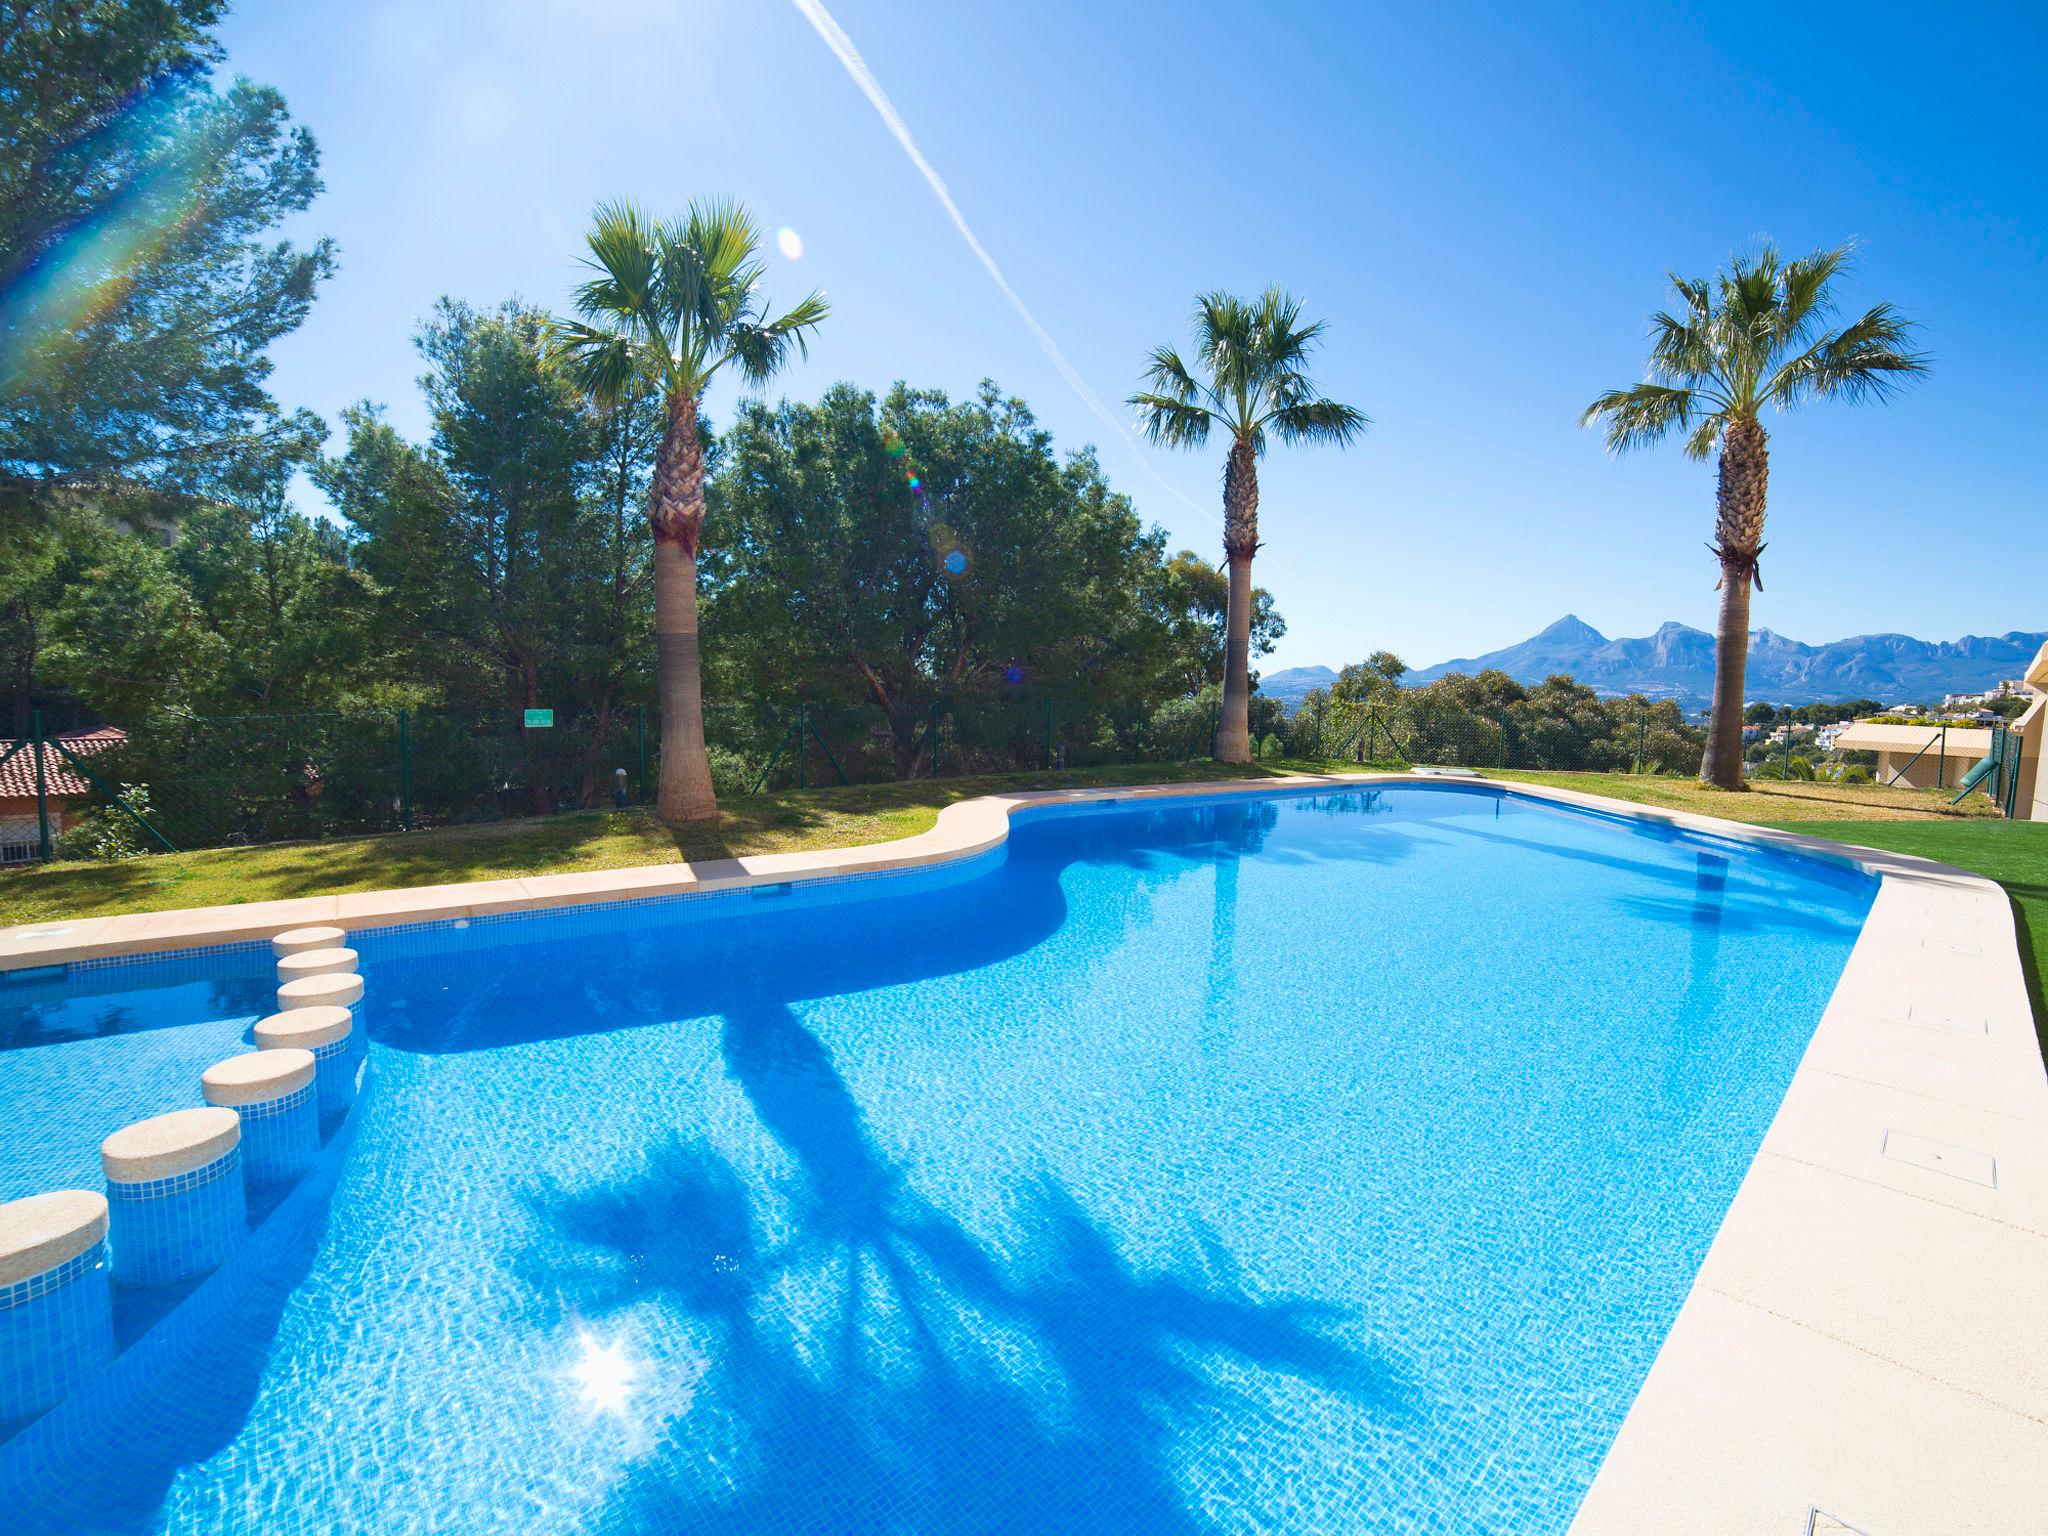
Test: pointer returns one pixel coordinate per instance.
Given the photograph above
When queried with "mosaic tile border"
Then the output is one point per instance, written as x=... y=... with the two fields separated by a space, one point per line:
x=22 y=1292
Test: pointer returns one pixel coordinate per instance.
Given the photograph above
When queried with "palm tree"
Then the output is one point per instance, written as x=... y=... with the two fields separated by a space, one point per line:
x=1751 y=337
x=670 y=304
x=1255 y=356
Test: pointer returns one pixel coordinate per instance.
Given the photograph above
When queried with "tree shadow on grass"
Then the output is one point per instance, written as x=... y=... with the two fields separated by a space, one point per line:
x=877 y=1367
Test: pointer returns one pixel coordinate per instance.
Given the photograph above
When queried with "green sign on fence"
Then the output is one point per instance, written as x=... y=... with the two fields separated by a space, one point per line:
x=537 y=718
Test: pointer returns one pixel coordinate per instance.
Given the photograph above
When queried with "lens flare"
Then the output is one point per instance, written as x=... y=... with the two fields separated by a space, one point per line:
x=790 y=243
x=955 y=562
x=90 y=269
x=893 y=445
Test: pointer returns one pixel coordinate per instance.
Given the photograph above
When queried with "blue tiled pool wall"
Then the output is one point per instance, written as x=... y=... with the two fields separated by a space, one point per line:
x=167 y=1230
x=56 y=1332
x=280 y=1137
x=335 y=1067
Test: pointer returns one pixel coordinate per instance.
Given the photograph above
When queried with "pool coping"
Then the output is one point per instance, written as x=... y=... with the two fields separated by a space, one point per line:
x=1863 y=1349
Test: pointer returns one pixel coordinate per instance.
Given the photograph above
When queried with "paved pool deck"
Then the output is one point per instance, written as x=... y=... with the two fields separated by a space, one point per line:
x=1865 y=1348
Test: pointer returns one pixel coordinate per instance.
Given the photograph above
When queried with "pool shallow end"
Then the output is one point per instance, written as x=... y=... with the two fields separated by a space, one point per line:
x=1860 y=1339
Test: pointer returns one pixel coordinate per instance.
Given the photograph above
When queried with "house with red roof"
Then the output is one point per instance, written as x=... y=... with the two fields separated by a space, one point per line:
x=65 y=789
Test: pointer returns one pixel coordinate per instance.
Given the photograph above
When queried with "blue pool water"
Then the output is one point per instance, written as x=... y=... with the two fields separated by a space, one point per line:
x=1325 y=1163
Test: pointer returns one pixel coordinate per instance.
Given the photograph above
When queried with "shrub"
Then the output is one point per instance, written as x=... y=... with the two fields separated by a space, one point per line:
x=104 y=832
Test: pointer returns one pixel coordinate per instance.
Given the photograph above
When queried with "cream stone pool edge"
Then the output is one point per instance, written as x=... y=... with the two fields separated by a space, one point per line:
x=1862 y=1349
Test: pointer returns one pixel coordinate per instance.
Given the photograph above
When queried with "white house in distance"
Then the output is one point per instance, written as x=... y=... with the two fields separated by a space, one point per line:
x=1918 y=756
x=1939 y=755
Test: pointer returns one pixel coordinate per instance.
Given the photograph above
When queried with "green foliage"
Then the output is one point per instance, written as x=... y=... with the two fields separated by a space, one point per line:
x=139 y=286
x=878 y=558
x=1250 y=378
x=1194 y=600
x=1473 y=721
x=106 y=833
x=1755 y=336
x=510 y=550
x=672 y=302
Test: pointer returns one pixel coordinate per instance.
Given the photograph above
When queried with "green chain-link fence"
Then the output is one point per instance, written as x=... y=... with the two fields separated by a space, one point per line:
x=177 y=782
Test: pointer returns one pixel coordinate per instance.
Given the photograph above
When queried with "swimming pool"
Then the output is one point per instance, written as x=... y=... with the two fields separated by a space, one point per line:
x=1296 y=1163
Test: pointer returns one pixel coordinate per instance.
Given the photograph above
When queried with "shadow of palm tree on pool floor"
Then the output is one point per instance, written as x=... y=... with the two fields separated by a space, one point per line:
x=874 y=1366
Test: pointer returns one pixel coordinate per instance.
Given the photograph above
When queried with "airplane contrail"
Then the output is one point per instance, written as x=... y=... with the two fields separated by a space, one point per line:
x=836 y=39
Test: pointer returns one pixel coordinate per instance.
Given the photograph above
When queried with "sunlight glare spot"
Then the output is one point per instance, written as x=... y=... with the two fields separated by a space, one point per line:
x=790 y=243
x=605 y=1374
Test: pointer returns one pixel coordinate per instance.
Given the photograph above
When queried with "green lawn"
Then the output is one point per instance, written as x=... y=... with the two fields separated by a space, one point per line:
x=777 y=823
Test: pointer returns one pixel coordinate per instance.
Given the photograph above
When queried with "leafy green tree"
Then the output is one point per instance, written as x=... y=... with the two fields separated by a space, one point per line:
x=1253 y=384
x=1754 y=336
x=510 y=551
x=1375 y=678
x=671 y=304
x=139 y=287
x=295 y=625
x=91 y=610
x=918 y=551
x=1194 y=601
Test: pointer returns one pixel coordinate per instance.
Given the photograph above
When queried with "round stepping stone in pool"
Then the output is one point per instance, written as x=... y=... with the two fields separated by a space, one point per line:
x=293 y=940
x=317 y=962
x=343 y=990
x=164 y=1146
x=56 y=1314
x=326 y=1033
x=273 y=1092
x=40 y=1232
x=175 y=1204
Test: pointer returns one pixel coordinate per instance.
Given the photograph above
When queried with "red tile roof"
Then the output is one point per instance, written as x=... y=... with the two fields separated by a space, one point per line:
x=61 y=780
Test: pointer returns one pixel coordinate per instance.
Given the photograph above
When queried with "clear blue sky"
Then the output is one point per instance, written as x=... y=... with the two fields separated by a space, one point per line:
x=1481 y=199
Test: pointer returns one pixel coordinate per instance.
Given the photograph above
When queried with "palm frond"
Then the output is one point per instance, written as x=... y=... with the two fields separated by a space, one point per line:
x=623 y=257
x=761 y=349
x=1722 y=355
x=1254 y=354
x=670 y=302
x=1806 y=298
x=1640 y=415
x=1705 y=438
x=603 y=364
x=1170 y=421
x=1318 y=421
x=1869 y=359
x=1169 y=376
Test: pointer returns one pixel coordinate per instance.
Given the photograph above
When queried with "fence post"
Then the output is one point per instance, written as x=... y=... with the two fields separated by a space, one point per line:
x=405 y=769
x=1642 y=730
x=803 y=722
x=1503 y=738
x=935 y=738
x=1317 y=753
x=1788 y=751
x=42 y=790
x=1048 y=734
x=640 y=735
x=1941 y=763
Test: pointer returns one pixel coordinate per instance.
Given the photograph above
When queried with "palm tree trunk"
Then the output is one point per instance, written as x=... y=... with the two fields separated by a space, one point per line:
x=1240 y=543
x=1739 y=544
x=676 y=513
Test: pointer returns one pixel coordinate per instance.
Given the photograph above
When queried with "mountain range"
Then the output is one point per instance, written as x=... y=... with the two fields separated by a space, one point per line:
x=1677 y=662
